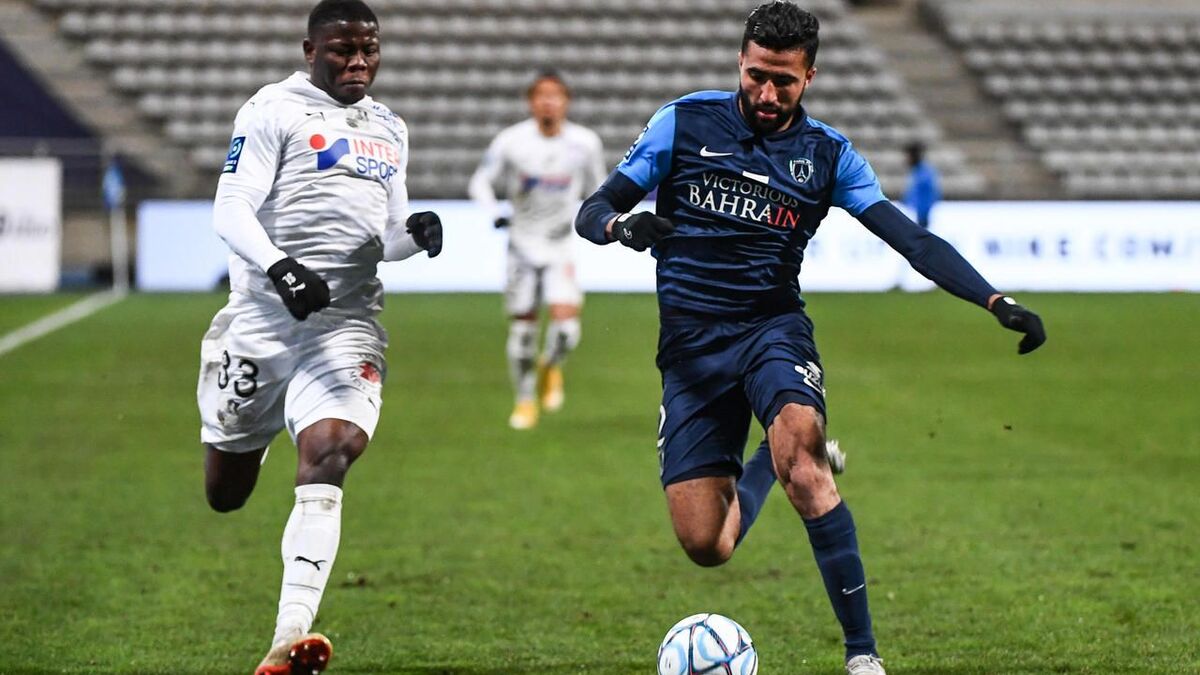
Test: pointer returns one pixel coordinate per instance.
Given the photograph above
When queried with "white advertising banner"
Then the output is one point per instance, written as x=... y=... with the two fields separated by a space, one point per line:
x=179 y=251
x=1042 y=246
x=177 y=248
x=30 y=224
x=1077 y=246
x=845 y=256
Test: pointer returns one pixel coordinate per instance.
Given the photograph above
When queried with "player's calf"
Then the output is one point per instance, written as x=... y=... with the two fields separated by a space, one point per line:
x=521 y=349
x=327 y=449
x=797 y=439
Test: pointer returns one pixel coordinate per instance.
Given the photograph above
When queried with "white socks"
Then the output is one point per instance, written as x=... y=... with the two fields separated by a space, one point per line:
x=561 y=338
x=522 y=352
x=310 y=544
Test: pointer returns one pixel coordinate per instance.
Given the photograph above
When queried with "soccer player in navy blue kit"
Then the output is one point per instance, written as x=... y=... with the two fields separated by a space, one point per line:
x=744 y=179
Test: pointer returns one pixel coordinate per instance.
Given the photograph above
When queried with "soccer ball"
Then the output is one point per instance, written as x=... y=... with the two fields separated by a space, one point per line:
x=707 y=643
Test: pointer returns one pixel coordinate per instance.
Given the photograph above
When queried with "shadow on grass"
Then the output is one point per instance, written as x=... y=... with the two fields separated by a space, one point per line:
x=540 y=669
x=969 y=670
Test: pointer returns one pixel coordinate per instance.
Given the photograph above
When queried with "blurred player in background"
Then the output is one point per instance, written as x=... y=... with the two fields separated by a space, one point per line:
x=924 y=187
x=312 y=197
x=744 y=179
x=544 y=165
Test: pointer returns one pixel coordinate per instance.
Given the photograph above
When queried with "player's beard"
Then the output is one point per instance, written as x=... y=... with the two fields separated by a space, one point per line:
x=749 y=108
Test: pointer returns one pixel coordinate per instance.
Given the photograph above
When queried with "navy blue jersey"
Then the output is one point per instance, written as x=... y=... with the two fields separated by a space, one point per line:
x=744 y=205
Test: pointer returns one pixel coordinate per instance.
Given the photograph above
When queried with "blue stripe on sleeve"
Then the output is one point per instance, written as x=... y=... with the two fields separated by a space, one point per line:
x=649 y=158
x=856 y=187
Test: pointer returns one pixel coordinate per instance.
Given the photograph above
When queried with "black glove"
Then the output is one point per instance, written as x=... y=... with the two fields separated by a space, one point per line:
x=1015 y=317
x=303 y=292
x=426 y=229
x=500 y=223
x=640 y=231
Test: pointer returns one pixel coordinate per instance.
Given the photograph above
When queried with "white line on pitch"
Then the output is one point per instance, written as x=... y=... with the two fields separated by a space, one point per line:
x=52 y=322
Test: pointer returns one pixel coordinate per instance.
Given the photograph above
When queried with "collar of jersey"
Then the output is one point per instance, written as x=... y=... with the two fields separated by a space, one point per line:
x=302 y=85
x=745 y=133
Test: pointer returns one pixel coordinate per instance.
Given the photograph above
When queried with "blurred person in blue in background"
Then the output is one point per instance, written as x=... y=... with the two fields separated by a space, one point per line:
x=924 y=184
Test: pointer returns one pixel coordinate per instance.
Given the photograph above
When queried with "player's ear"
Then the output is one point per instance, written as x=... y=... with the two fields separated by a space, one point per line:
x=310 y=51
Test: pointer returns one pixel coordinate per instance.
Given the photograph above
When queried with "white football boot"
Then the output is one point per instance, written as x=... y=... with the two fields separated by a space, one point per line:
x=865 y=664
x=835 y=456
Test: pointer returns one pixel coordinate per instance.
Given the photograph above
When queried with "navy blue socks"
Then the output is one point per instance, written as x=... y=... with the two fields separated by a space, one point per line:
x=835 y=547
x=758 y=475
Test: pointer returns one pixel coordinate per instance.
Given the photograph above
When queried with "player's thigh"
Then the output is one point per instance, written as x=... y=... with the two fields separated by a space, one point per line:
x=704 y=421
x=340 y=377
x=783 y=367
x=522 y=289
x=241 y=387
x=561 y=289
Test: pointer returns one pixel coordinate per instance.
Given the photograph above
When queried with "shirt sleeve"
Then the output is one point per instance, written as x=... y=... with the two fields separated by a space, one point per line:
x=487 y=174
x=855 y=187
x=398 y=244
x=617 y=195
x=928 y=253
x=649 y=158
x=245 y=182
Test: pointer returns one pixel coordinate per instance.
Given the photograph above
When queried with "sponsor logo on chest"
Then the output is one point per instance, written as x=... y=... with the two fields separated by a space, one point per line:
x=368 y=157
x=752 y=200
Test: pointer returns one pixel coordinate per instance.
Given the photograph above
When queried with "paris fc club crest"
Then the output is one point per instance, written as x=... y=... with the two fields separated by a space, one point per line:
x=802 y=169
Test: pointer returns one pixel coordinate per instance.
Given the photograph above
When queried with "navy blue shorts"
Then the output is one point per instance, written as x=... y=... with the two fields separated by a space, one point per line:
x=715 y=375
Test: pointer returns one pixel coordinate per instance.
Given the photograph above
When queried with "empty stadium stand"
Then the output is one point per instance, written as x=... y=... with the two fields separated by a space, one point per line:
x=1107 y=93
x=455 y=70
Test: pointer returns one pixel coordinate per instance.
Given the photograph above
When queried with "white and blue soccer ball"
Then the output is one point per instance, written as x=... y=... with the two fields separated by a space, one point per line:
x=707 y=643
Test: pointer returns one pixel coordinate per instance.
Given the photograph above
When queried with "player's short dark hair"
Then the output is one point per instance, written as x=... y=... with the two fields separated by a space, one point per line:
x=915 y=151
x=332 y=11
x=782 y=26
x=547 y=74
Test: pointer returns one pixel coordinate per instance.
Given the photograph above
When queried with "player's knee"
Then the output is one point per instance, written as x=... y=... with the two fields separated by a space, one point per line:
x=333 y=451
x=710 y=555
x=522 y=340
x=225 y=500
x=707 y=550
x=802 y=473
x=343 y=450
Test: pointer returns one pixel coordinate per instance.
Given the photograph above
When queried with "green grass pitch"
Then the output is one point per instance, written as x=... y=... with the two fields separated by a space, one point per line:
x=1017 y=514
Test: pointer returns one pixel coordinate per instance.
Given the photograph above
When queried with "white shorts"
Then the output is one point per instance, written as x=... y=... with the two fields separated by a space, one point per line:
x=530 y=286
x=261 y=373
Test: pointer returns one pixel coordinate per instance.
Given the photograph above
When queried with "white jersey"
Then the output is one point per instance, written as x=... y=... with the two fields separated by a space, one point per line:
x=327 y=184
x=545 y=178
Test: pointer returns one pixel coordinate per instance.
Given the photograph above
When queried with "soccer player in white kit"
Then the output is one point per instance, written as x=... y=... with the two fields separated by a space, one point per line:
x=312 y=196
x=545 y=165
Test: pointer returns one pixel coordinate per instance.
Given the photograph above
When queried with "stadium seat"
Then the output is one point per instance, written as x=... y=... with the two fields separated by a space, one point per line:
x=456 y=70
x=1107 y=92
